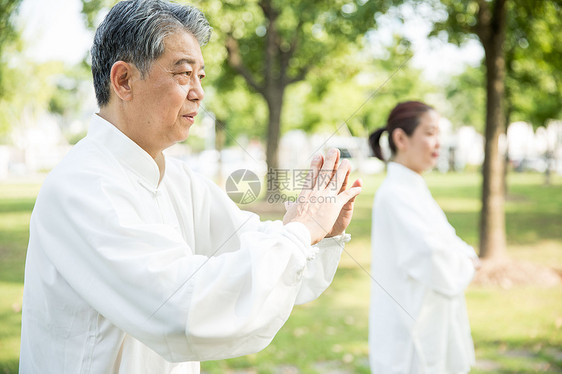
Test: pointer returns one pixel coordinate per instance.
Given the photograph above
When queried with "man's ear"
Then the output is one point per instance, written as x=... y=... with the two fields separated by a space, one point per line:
x=400 y=138
x=121 y=76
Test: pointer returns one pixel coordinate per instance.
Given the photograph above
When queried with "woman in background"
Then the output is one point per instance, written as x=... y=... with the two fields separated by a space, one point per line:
x=418 y=321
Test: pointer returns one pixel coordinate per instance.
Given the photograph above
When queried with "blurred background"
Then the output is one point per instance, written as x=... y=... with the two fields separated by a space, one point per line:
x=288 y=79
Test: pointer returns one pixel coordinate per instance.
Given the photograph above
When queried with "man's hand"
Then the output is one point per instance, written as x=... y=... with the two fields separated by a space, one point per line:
x=325 y=207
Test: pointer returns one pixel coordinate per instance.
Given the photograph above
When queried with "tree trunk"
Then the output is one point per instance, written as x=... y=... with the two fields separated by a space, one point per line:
x=275 y=104
x=492 y=220
x=452 y=159
x=506 y=159
x=272 y=87
x=548 y=156
x=220 y=140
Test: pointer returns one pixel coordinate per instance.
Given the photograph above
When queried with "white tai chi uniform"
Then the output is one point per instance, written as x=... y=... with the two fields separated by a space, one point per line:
x=126 y=274
x=418 y=322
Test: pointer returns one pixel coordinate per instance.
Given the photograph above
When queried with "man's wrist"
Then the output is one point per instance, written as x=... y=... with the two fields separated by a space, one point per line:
x=331 y=235
x=337 y=240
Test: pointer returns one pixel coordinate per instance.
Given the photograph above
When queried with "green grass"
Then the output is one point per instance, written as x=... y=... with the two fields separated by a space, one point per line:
x=515 y=331
x=16 y=203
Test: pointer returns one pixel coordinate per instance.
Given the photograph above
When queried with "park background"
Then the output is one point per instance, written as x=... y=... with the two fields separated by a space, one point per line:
x=286 y=79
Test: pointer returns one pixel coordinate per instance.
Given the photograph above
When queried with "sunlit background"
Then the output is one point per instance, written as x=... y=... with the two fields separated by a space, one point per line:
x=349 y=64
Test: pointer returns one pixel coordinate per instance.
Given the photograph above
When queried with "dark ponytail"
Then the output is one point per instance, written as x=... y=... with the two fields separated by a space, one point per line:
x=374 y=140
x=405 y=116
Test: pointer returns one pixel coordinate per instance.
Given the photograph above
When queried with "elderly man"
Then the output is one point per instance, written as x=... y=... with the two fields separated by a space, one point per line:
x=137 y=265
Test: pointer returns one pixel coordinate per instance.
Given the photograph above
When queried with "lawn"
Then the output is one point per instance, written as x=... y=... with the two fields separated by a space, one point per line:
x=516 y=330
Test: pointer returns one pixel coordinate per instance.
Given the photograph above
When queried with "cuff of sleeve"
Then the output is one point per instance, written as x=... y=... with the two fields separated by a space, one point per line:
x=301 y=235
x=338 y=240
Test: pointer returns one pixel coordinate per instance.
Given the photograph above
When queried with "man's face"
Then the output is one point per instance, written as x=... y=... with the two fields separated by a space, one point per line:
x=166 y=101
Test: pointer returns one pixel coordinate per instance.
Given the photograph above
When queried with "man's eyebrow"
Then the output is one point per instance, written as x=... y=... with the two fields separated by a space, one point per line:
x=188 y=61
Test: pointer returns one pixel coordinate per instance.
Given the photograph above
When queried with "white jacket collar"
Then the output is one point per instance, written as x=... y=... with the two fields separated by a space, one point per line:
x=405 y=175
x=129 y=153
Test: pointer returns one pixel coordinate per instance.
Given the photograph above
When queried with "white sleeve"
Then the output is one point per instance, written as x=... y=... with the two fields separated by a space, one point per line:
x=428 y=248
x=320 y=271
x=145 y=280
x=322 y=258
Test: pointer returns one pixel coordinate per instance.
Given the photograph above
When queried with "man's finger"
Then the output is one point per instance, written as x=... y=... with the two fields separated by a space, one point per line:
x=327 y=171
x=345 y=181
x=316 y=166
x=312 y=177
x=347 y=195
x=357 y=183
x=340 y=177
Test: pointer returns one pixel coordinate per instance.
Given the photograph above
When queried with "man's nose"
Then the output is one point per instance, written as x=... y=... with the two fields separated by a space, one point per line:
x=196 y=92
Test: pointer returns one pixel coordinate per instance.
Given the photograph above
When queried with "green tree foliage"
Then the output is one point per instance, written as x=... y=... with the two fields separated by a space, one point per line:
x=29 y=88
x=533 y=55
x=33 y=88
x=360 y=103
x=91 y=8
x=394 y=81
x=274 y=44
x=8 y=34
x=26 y=96
x=466 y=98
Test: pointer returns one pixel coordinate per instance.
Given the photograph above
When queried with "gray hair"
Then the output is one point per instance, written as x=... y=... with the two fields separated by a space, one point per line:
x=134 y=30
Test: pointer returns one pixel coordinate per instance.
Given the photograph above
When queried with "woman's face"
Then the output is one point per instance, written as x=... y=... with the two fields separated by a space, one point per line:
x=420 y=151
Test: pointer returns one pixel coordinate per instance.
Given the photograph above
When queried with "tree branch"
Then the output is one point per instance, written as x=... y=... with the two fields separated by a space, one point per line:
x=235 y=61
x=286 y=56
x=299 y=77
x=295 y=40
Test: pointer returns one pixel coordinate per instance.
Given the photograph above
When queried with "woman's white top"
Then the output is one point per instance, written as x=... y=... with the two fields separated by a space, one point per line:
x=420 y=268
